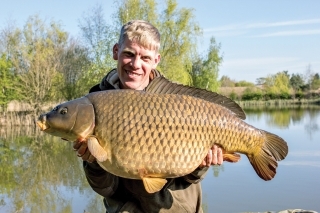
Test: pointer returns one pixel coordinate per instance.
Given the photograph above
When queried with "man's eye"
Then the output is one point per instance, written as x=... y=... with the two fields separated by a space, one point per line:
x=146 y=58
x=63 y=111
x=128 y=54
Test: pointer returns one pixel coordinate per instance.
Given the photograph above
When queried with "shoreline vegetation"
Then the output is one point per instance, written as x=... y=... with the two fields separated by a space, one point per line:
x=280 y=103
x=19 y=114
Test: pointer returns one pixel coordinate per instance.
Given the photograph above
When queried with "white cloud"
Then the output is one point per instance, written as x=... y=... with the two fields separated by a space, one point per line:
x=305 y=153
x=262 y=25
x=290 y=33
x=285 y=23
x=244 y=28
x=300 y=163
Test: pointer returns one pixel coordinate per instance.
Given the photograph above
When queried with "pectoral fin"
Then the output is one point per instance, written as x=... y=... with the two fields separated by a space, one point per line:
x=231 y=157
x=153 y=185
x=96 y=149
x=152 y=182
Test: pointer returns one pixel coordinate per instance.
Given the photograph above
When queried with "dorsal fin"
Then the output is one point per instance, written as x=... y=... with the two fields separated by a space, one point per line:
x=161 y=85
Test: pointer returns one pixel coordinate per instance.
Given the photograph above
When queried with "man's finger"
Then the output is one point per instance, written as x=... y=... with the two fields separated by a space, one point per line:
x=209 y=158
x=82 y=150
x=214 y=157
x=219 y=156
x=76 y=145
x=86 y=156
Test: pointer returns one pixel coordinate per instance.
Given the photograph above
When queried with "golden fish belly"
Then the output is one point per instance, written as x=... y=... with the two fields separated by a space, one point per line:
x=165 y=135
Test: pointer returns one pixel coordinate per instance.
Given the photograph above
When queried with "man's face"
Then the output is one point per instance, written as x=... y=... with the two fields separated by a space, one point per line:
x=134 y=64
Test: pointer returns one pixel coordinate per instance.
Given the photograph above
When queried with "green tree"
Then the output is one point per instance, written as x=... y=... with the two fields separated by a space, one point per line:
x=244 y=84
x=277 y=86
x=7 y=80
x=205 y=71
x=135 y=9
x=297 y=82
x=315 y=83
x=179 y=33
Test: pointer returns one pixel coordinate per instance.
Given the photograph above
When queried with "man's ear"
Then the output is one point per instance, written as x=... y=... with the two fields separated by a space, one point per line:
x=115 y=51
x=157 y=60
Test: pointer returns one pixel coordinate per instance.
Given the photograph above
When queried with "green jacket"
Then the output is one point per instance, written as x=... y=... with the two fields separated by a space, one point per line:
x=181 y=194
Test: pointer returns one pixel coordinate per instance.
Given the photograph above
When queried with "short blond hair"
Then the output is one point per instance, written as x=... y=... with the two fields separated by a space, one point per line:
x=141 y=32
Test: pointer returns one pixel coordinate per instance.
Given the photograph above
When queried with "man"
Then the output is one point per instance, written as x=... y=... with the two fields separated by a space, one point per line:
x=137 y=55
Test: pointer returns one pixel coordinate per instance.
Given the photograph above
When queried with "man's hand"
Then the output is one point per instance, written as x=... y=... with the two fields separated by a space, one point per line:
x=81 y=147
x=214 y=157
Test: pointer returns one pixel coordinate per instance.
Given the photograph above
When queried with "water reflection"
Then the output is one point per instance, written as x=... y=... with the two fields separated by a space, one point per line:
x=40 y=173
x=34 y=170
x=283 y=118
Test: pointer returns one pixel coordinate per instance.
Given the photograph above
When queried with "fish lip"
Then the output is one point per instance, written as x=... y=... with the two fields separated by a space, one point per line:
x=43 y=126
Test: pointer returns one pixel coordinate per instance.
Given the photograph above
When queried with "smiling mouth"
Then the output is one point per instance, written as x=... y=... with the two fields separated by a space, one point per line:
x=129 y=73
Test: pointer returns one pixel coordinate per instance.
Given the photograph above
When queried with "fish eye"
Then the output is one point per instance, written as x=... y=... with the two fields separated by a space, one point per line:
x=64 y=111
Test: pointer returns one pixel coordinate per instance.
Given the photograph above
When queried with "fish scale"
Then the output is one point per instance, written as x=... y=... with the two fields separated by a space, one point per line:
x=163 y=132
x=189 y=144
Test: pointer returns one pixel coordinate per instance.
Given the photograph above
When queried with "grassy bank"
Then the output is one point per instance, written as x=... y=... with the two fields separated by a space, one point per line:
x=280 y=103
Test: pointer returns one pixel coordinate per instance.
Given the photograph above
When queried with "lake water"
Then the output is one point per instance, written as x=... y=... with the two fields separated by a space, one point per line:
x=40 y=173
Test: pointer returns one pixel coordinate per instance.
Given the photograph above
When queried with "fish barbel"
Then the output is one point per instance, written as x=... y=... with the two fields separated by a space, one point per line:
x=163 y=132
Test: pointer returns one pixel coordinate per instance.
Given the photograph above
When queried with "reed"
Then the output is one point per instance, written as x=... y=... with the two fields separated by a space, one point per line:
x=280 y=102
x=21 y=114
x=17 y=119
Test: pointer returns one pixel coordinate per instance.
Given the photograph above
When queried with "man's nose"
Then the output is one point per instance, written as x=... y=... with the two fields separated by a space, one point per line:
x=136 y=62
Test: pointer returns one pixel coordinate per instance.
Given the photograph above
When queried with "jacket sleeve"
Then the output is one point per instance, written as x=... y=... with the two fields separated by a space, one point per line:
x=197 y=175
x=100 y=180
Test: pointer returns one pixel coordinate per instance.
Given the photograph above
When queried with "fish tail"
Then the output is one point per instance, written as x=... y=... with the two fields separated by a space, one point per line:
x=273 y=149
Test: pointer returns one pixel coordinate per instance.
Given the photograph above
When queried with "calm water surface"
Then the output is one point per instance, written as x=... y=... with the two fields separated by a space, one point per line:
x=40 y=173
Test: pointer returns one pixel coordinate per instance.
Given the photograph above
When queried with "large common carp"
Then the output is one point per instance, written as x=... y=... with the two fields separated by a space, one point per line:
x=163 y=132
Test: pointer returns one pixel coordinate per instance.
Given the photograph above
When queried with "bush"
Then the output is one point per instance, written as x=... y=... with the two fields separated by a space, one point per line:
x=284 y=96
x=271 y=96
x=250 y=94
x=233 y=96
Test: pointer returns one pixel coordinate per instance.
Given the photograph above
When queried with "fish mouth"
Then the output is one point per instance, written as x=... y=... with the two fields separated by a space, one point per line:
x=42 y=122
x=43 y=126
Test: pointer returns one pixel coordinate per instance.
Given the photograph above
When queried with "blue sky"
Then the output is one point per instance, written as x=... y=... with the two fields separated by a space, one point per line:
x=257 y=37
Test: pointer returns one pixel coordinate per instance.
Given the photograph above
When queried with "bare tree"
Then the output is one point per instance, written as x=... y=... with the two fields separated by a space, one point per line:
x=35 y=55
x=98 y=37
x=308 y=76
x=75 y=63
